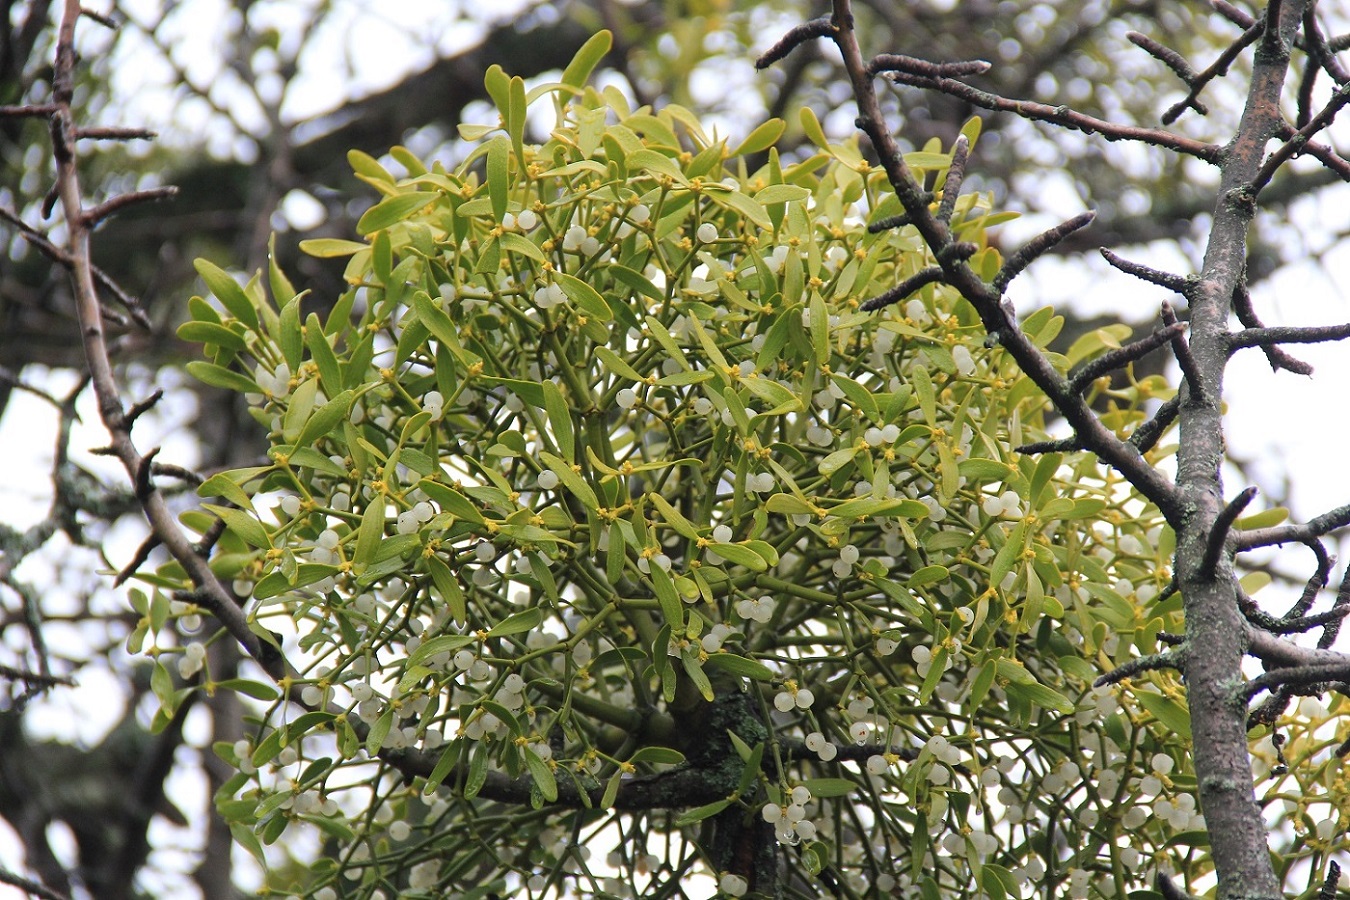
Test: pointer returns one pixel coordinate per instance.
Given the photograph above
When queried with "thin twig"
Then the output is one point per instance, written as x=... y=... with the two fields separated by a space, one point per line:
x=113 y=205
x=1063 y=116
x=895 y=62
x=1037 y=247
x=1182 y=351
x=904 y=288
x=1121 y=357
x=956 y=173
x=1062 y=445
x=1145 y=437
x=1277 y=357
x=1178 y=283
x=1216 y=69
x=1218 y=535
x=1295 y=534
x=1165 y=659
x=816 y=28
x=1299 y=141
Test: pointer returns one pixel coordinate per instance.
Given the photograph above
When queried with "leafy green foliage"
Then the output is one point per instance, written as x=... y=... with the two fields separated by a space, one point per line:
x=598 y=441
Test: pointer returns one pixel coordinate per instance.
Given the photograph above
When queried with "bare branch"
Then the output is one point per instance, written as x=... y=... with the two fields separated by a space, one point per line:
x=1218 y=535
x=904 y=289
x=956 y=173
x=115 y=134
x=797 y=36
x=1216 y=69
x=1145 y=437
x=1182 y=351
x=1264 y=337
x=1063 y=445
x=1166 y=659
x=894 y=62
x=1290 y=534
x=1177 y=283
x=1121 y=357
x=1037 y=246
x=114 y=205
x=1299 y=141
x=1063 y=116
x=1246 y=313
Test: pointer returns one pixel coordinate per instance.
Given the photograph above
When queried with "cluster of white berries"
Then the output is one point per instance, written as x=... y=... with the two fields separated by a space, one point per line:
x=1006 y=505
x=275 y=382
x=759 y=609
x=843 y=566
x=525 y=220
x=550 y=295
x=793 y=697
x=789 y=822
x=412 y=519
x=578 y=240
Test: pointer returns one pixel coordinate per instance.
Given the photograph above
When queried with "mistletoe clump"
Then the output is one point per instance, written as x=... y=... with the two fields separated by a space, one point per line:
x=599 y=504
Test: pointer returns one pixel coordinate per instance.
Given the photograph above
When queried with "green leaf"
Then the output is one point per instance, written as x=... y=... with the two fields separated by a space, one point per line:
x=673 y=516
x=392 y=210
x=928 y=575
x=325 y=419
x=1172 y=715
x=216 y=376
x=762 y=138
x=498 y=85
x=700 y=813
x=590 y=54
x=781 y=193
x=811 y=125
x=518 y=623
x=211 y=333
x=739 y=555
x=327 y=248
x=515 y=127
x=443 y=643
x=570 y=480
x=370 y=533
x=829 y=787
x=671 y=607
x=228 y=292
x=541 y=773
x=499 y=176
x=379 y=731
x=243 y=524
x=584 y=296
x=1042 y=696
x=559 y=419
x=740 y=665
x=662 y=755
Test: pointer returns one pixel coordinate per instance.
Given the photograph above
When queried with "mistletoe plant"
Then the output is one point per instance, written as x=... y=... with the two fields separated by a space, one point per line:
x=599 y=513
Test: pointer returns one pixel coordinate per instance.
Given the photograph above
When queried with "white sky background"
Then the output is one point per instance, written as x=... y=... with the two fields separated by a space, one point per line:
x=1285 y=423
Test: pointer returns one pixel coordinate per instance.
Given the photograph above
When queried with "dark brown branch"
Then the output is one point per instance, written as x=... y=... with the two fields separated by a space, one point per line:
x=1216 y=69
x=1121 y=357
x=904 y=288
x=1063 y=445
x=115 y=134
x=142 y=554
x=1218 y=535
x=956 y=173
x=899 y=221
x=33 y=110
x=1166 y=659
x=1246 y=313
x=1297 y=676
x=1291 y=534
x=113 y=205
x=1038 y=246
x=1063 y=116
x=45 y=679
x=144 y=406
x=1178 y=283
x=1173 y=60
x=816 y=28
x=1264 y=337
x=60 y=256
x=1342 y=602
x=1145 y=437
x=30 y=887
x=95 y=16
x=1318 y=51
x=1298 y=143
x=1182 y=351
x=894 y=62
